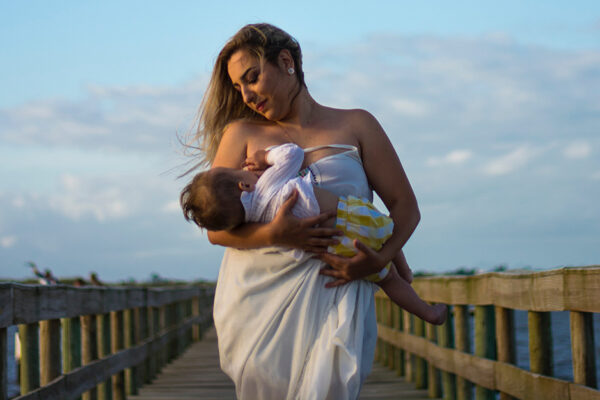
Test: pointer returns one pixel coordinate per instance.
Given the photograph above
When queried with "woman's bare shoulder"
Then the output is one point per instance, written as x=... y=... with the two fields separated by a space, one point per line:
x=244 y=128
x=351 y=117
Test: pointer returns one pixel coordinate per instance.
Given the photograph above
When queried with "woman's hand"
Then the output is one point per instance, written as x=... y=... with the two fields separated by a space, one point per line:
x=345 y=269
x=303 y=233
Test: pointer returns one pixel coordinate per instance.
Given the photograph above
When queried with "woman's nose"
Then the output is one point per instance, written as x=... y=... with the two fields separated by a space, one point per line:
x=248 y=95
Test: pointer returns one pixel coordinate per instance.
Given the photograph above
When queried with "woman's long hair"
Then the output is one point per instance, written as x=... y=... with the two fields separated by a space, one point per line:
x=222 y=104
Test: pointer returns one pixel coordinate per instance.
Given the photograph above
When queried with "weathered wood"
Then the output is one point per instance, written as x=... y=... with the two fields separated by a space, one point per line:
x=540 y=343
x=30 y=353
x=89 y=348
x=420 y=364
x=463 y=343
x=446 y=339
x=557 y=290
x=434 y=386
x=154 y=315
x=3 y=364
x=117 y=341
x=145 y=376
x=409 y=366
x=398 y=352
x=485 y=345
x=130 y=328
x=583 y=349
x=6 y=305
x=505 y=339
x=50 y=354
x=71 y=344
x=103 y=330
x=476 y=369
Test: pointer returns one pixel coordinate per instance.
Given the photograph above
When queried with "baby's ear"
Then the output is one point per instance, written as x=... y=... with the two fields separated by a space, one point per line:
x=246 y=187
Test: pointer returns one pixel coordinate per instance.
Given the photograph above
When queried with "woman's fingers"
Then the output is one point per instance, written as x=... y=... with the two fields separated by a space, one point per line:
x=287 y=205
x=338 y=282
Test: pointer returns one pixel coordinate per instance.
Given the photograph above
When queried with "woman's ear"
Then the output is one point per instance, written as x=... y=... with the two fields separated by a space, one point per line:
x=286 y=60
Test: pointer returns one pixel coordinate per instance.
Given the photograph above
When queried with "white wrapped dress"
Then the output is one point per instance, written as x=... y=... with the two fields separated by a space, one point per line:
x=282 y=334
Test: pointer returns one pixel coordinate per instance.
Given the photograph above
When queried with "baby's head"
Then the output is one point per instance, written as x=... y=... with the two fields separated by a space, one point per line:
x=212 y=199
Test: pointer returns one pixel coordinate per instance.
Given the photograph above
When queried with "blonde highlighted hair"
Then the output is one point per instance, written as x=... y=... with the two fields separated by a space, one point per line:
x=222 y=104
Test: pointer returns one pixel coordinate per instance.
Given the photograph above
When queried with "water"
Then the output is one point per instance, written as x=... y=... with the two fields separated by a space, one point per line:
x=561 y=340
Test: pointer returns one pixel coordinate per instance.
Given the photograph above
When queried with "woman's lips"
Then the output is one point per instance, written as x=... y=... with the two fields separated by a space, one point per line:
x=260 y=106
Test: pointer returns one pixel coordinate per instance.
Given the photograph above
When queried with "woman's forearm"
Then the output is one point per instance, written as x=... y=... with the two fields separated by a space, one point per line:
x=406 y=220
x=247 y=236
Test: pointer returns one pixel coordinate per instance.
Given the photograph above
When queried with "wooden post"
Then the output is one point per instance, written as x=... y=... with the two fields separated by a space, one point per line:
x=116 y=341
x=155 y=325
x=89 y=348
x=398 y=352
x=103 y=329
x=421 y=365
x=583 y=349
x=3 y=364
x=505 y=339
x=378 y=343
x=540 y=343
x=71 y=343
x=180 y=315
x=446 y=339
x=164 y=351
x=463 y=343
x=390 y=323
x=50 y=364
x=485 y=345
x=30 y=357
x=409 y=358
x=130 y=333
x=196 y=329
x=144 y=334
x=434 y=387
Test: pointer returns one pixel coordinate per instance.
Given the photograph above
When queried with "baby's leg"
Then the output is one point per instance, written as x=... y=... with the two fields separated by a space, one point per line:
x=401 y=293
x=402 y=266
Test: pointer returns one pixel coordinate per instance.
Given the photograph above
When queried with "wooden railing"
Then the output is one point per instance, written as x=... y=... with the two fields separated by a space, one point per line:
x=97 y=343
x=438 y=358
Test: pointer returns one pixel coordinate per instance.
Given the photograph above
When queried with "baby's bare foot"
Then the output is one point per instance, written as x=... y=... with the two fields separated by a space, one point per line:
x=440 y=312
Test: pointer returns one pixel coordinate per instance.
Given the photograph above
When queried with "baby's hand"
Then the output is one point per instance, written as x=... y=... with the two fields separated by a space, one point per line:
x=256 y=161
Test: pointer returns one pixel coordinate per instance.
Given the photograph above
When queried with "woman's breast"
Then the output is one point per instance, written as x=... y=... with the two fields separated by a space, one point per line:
x=343 y=175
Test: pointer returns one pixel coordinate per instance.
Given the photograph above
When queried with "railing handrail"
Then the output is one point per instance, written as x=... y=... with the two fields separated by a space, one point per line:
x=422 y=351
x=26 y=303
x=105 y=331
x=569 y=288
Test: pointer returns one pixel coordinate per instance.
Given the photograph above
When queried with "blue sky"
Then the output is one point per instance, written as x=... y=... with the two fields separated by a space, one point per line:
x=491 y=109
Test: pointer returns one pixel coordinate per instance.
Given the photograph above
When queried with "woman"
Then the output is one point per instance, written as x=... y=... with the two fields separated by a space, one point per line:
x=286 y=329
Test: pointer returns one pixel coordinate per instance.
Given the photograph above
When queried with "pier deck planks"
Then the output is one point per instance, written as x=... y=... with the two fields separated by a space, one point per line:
x=196 y=375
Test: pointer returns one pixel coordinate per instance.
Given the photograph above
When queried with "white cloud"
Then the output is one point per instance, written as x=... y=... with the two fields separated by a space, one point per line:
x=172 y=207
x=79 y=199
x=409 y=107
x=8 y=241
x=454 y=157
x=511 y=161
x=578 y=150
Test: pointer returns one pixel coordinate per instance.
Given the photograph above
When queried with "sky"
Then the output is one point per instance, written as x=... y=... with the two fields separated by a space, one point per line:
x=493 y=109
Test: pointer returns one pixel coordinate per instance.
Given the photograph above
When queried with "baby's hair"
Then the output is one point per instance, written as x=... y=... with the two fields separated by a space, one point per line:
x=212 y=200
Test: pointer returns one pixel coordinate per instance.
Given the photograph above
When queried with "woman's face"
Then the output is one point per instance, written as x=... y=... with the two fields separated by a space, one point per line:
x=265 y=88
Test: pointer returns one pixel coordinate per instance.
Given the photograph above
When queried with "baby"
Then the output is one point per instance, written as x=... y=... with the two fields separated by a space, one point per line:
x=223 y=198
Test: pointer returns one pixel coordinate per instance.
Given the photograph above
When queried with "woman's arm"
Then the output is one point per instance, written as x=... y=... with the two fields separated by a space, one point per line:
x=285 y=229
x=387 y=177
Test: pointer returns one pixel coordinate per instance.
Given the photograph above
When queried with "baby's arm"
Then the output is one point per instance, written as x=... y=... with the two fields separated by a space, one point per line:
x=402 y=266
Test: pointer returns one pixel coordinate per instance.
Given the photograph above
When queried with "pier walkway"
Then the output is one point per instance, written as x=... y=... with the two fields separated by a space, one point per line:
x=196 y=375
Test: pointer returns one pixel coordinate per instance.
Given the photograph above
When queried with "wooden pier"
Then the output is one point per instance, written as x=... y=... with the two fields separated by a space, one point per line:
x=143 y=343
x=196 y=376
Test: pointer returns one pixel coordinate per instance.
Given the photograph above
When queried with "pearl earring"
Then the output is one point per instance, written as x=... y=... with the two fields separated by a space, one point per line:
x=291 y=71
